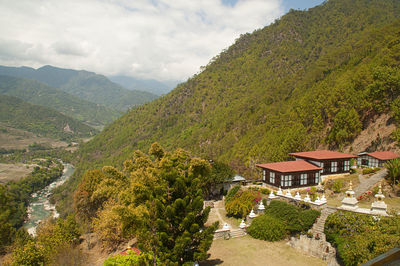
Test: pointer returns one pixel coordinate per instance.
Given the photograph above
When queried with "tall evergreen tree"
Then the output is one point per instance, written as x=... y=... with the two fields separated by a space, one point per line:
x=158 y=199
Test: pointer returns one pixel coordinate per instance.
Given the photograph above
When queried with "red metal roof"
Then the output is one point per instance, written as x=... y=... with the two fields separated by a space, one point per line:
x=322 y=155
x=290 y=166
x=384 y=155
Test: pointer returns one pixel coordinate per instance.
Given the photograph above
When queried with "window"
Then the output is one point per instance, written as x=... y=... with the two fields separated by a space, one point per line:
x=303 y=179
x=263 y=175
x=322 y=166
x=286 y=180
x=272 y=177
x=346 y=165
x=334 y=167
x=317 y=178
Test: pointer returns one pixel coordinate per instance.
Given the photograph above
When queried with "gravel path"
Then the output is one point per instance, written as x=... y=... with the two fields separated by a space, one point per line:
x=367 y=183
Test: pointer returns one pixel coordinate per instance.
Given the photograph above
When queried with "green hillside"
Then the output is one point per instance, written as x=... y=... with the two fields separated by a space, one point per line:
x=313 y=77
x=41 y=94
x=40 y=120
x=83 y=84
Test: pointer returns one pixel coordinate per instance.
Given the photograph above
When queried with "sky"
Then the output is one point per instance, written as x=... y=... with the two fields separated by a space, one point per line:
x=149 y=39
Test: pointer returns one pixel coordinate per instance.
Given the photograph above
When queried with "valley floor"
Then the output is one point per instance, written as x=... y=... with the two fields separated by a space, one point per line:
x=14 y=172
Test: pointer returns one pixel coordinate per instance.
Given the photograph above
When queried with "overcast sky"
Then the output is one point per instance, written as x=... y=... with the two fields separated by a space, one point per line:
x=152 y=39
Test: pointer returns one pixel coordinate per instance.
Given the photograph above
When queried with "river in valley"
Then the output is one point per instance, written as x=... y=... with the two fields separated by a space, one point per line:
x=40 y=208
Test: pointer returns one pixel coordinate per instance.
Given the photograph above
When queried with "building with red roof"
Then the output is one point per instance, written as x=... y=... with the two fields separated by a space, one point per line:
x=331 y=162
x=375 y=159
x=290 y=174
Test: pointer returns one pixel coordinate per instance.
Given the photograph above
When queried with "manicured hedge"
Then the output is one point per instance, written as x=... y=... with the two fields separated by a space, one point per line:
x=267 y=228
x=296 y=219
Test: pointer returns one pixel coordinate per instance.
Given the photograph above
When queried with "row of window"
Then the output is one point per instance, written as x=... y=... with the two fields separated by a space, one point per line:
x=286 y=180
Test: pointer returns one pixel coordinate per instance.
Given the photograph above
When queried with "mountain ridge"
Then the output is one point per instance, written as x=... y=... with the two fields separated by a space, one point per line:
x=38 y=93
x=40 y=120
x=86 y=85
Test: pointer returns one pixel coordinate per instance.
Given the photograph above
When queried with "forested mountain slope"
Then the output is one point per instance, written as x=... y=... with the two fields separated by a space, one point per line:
x=312 y=78
x=40 y=120
x=41 y=94
x=83 y=84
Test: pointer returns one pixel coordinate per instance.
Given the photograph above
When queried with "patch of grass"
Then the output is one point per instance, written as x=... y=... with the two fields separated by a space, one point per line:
x=248 y=251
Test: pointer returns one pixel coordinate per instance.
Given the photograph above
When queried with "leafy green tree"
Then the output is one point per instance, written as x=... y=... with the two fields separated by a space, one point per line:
x=242 y=203
x=393 y=167
x=29 y=254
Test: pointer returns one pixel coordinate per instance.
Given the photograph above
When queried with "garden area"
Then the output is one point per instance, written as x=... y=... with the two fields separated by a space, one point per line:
x=359 y=238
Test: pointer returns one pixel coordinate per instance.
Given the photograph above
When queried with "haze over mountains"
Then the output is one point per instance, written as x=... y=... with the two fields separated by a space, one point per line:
x=56 y=93
x=149 y=85
x=83 y=84
x=39 y=93
x=312 y=79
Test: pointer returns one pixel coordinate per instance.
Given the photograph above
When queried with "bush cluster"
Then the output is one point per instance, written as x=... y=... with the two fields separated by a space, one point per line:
x=268 y=228
x=367 y=171
x=360 y=237
x=241 y=203
x=278 y=215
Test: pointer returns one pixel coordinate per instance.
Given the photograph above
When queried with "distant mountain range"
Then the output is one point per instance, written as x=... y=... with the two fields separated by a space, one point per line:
x=148 y=85
x=83 y=84
x=41 y=94
x=40 y=120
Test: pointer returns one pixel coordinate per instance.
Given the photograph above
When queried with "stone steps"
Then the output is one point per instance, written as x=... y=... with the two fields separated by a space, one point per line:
x=319 y=225
x=237 y=233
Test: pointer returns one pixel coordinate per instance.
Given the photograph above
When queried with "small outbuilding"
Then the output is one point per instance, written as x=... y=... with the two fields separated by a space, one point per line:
x=237 y=180
x=290 y=174
x=375 y=159
x=331 y=162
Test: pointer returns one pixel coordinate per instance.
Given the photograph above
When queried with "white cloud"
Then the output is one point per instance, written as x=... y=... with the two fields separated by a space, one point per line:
x=160 y=39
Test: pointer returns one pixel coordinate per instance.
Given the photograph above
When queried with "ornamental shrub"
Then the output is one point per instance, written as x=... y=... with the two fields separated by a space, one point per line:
x=296 y=219
x=286 y=212
x=231 y=193
x=268 y=228
x=130 y=259
x=307 y=218
x=337 y=185
x=242 y=203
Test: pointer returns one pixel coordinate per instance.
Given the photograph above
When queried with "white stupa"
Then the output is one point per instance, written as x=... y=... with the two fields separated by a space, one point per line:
x=279 y=193
x=252 y=214
x=323 y=199
x=288 y=194
x=272 y=195
x=226 y=226
x=297 y=196
x=261 y=206
x=242 y=225
x=317 y=201
x=379 y=206
x=307 y=198
x=349 y=202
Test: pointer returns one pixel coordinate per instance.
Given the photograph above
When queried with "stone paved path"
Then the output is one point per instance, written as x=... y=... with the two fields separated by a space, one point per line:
x=367 y=183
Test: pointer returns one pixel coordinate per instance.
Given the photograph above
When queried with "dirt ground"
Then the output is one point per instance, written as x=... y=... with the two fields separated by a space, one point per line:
x=14 y=172
x=11 y=138
x=248 y=251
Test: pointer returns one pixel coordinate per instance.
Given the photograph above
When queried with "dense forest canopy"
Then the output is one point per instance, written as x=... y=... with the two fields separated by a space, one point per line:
x=86 y=85
x=312 y=78
x=41 y=94
x=41 y=120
